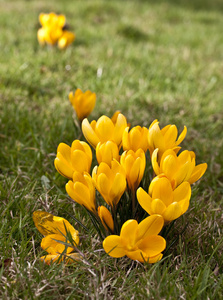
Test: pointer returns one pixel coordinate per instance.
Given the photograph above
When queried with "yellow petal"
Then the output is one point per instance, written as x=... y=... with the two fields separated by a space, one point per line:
x=119 y=128
x=117 y=189
x=137 y=255
x=125 y=139
x=162 y=190
x=103 y=184
x=89 y=133
x=128 y=233
x=112 y=245
x=197 y=173
x=106 y=218
x=152 y=245
x=104 y=128
x=80 y=161
x=151 y=225
x=170 y=136
x=158 y=207
x=155 y=259
x=182 y=192
x=63 y=167
x=172 y=212
x=181 y=136
x=50 y=258
x=144 y=200
x=154 y=161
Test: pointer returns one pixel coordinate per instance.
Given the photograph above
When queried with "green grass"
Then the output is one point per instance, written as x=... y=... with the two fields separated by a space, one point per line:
x=159 y=59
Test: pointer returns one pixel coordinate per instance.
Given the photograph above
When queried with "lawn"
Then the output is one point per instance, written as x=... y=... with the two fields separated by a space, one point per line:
x=150 y=60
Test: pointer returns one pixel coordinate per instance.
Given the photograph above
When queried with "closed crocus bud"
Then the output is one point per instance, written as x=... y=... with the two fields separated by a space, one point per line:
x=66 y=39
x=78 y=157
x=82 y=102
x=82 y=190
x=110 y=181
x=104 y=130
x=105 y=152
x=138 y=241
x=178 y=168
x=165 y=138
x=134 y=164
x=106 y=218
x=163 y=200
x=52 y=20
x=135 y=139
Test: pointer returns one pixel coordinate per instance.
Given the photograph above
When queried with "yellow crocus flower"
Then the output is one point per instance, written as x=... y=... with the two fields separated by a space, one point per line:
x=136 y=138
x=104 y=130
x=78 y=157
x=55 y=229
x=106 y=218
x=82 y=102
x=162 y=199
x=110 y=181
x=165 y=138
x=82 y=190
x=138 y=241
x=52 y=20
x=134 y=164
x=105 y=152
x=178 y=168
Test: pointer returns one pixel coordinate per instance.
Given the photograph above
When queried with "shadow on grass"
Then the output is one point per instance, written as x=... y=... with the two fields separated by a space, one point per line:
x=132 y=33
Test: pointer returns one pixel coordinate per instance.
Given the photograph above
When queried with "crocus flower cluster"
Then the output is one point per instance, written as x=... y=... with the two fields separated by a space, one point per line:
x=125 y=196
x=53 y=31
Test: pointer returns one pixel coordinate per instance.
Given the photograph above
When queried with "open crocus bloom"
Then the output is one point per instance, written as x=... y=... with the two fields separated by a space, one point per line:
x=82 y=190
x=138 y=241
x=135 y=139
x=110 y=181
x=165 y=138
x=82 y=102
x=104 y=130
x=178 y=168
x=55 y=230
x=163 y=200
x=134 y=164
x=106 y=152
x=78 y=158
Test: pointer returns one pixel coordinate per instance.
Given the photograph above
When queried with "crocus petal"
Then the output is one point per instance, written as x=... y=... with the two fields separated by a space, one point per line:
x=104 y=129
x=158 y=207
x=181 y=136
x=144 y=200
x=170 y=136
x=89 y=133
x=152 y=245
x=162 y=190
x=155 y=259
x=128 y=233
x=154 y=160
x=120 y=126
x=62 y=167
x=182 y=192
x=151 y=225
x=197 y=173
x=172 y=212
x=112 y=245
x=137 y=255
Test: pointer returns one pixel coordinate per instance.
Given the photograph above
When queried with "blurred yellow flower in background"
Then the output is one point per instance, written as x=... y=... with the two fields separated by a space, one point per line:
x=83 y=103
x=52 y=30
